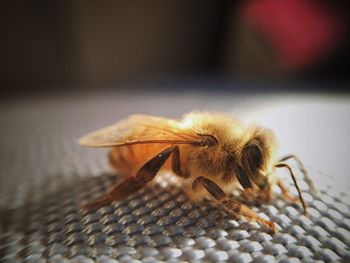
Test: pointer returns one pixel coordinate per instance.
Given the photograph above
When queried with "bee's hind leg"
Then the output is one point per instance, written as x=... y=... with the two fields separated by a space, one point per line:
x=233 y=207
x=117 y=192
x=121 y=190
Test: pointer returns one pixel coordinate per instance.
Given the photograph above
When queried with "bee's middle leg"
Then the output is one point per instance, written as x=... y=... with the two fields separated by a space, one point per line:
x=233 y=207
x=176 y=164
x=146 y=173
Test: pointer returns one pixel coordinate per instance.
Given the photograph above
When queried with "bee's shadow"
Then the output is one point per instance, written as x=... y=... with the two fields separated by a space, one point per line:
x=59 y=198
x=52 y=194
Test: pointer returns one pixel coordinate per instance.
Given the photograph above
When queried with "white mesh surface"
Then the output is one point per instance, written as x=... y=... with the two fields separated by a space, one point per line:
x=46 y=176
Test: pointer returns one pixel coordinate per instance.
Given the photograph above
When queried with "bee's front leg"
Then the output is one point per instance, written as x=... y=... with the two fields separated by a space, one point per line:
x=286 y=194
x=233 y=207
x=238 y=209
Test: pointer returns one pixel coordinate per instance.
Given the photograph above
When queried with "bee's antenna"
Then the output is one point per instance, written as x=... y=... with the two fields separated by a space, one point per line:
x=284 y=165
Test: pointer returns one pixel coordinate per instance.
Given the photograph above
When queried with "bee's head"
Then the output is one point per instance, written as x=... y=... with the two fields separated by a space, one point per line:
x=257 y=159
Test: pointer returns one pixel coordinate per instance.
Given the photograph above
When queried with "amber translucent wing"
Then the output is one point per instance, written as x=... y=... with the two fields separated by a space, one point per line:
x=140 y=129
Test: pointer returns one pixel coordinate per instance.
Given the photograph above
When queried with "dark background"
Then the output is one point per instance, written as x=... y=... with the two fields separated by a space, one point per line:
x=71 y=67
x=79 y=45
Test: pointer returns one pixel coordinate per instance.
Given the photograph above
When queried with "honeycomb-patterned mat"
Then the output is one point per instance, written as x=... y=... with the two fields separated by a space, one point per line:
x=45 y=177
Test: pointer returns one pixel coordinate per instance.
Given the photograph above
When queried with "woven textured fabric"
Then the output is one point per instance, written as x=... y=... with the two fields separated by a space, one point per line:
x=46 y=176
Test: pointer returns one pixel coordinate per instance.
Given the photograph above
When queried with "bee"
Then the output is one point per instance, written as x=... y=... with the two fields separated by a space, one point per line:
x=212 y=154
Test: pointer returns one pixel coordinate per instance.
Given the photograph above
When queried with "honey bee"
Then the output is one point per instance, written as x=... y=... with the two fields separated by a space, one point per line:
x=212 y=154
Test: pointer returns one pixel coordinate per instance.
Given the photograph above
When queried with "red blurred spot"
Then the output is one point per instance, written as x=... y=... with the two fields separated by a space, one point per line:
x=300 y=32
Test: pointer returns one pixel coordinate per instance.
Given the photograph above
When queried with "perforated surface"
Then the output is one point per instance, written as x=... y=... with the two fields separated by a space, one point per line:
x=45 y=177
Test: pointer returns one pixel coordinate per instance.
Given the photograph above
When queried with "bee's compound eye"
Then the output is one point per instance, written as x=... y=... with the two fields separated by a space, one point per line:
x=253 y=157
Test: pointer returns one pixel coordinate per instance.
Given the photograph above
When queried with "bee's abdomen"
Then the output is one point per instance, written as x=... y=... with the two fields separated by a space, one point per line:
x=120 y=159
x=128 y=159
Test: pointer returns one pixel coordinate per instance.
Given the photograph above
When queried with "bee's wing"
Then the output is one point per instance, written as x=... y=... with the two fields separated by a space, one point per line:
x=140 y=129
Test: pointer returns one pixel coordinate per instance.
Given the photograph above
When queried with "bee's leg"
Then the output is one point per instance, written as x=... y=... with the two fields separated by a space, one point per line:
x=284 y=165
x=146 y=173
x=287 y=196
x=233 y=207
x=117 y=192
x=266 y=195
x=302 y=170
x=249 y=196
x=176 y=165
x=256 y=196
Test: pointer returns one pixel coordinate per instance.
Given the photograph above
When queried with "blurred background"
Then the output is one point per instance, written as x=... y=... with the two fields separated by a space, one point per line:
x=284 y=64
x=80 y=45
x=70 y=67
